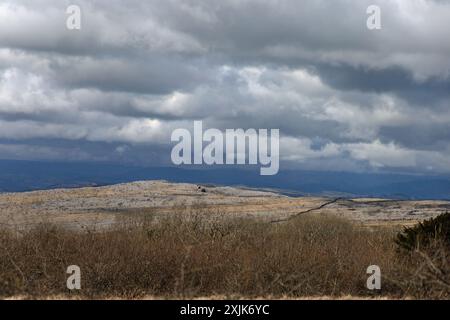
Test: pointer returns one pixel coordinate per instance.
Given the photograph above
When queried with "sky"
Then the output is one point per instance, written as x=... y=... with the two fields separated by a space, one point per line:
x=343 y=97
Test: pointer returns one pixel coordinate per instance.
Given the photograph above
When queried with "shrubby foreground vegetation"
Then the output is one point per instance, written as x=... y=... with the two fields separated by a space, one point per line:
x=193 y=255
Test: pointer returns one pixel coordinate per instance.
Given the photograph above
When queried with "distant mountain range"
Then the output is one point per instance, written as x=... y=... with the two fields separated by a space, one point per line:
x=17 y=176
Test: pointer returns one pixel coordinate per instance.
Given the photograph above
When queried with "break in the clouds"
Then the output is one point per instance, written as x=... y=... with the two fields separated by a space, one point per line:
x=344 y=97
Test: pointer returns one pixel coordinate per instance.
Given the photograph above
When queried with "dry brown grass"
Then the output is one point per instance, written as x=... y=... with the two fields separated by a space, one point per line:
x=192 y=255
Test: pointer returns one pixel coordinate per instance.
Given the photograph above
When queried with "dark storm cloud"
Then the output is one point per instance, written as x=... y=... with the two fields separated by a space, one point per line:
x=394 y=80
x=424 y=135
x=82 y=150
x=342 y=96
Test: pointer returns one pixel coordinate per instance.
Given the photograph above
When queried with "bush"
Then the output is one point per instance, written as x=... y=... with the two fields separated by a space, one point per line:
x=425 y=233
x=425 y=249
x=194 y=256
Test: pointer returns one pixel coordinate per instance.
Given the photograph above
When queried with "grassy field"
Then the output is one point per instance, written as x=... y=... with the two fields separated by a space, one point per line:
x=190 y=255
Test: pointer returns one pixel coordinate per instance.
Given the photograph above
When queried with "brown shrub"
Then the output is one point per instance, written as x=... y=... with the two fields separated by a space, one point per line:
x=195 y=255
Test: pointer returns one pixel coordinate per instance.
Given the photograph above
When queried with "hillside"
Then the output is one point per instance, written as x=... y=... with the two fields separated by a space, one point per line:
x=102 y=206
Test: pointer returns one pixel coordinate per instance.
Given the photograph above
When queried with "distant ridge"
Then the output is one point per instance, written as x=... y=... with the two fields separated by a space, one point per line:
x=18 y=176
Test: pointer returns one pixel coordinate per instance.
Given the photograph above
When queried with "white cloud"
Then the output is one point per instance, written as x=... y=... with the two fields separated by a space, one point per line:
x=137 y=70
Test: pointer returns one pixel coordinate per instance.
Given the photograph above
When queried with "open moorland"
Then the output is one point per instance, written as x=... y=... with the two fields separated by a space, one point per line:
x=105 y=206
x=155 y=239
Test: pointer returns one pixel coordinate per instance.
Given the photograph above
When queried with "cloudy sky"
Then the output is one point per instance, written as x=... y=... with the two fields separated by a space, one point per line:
x=344 y=97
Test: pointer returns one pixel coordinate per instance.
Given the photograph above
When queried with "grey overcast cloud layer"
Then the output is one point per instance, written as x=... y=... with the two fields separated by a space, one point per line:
x=343 y=97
